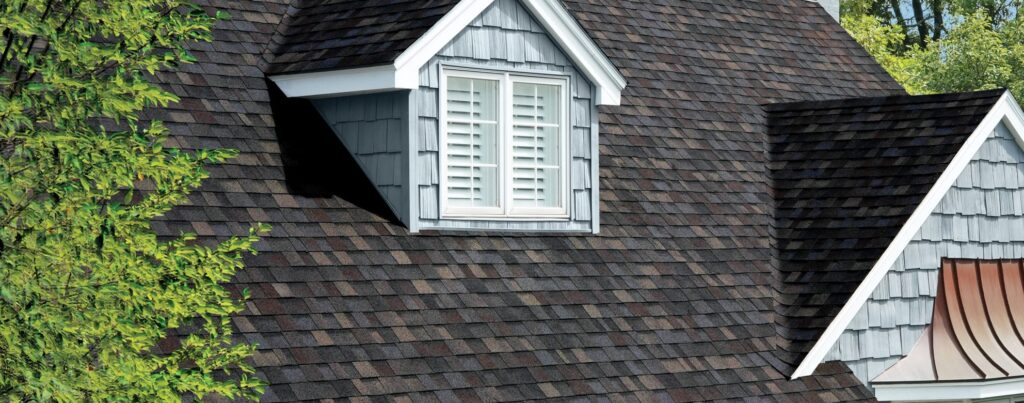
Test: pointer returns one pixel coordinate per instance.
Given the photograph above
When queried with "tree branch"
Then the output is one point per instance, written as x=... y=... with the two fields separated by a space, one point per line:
x=919 y=20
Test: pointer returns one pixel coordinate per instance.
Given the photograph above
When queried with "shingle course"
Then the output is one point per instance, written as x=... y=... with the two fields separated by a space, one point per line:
x=320 y=35
x=847 y=174
x=673 y=300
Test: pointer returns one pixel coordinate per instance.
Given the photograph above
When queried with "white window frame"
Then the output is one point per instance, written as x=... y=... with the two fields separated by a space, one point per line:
x=504 y=210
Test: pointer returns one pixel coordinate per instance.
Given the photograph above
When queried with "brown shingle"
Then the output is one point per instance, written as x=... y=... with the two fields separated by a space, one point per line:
x=685 y=214
x=334 y=34
x=847 y=175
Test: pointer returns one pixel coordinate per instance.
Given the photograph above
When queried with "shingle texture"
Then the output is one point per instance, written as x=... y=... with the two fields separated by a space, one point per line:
x=847 y=175
x=334 y=34
x=672 y=301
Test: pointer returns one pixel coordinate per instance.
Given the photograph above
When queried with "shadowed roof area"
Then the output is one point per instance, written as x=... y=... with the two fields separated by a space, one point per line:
x=339 y=34
x=976 y=326
x=847 y=175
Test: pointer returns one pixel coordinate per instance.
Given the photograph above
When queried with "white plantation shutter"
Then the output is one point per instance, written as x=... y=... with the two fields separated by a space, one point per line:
x=472 y=142
x=504 y=160
x=536 y=155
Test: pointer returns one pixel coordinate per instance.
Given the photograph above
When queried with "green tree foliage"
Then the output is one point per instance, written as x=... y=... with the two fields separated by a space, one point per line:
x=87 y=289
x=980 y=43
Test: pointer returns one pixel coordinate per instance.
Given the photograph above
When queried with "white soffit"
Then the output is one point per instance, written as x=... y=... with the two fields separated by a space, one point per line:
x=404 y=72
x=932 y=391
x=1005 y=110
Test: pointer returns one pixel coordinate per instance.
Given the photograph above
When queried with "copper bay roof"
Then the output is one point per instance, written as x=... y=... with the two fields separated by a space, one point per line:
x=977 y=330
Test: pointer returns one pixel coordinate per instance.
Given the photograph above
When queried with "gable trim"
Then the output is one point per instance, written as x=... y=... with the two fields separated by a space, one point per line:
x=408 y=64
x=567 y=32
x=404 y=72
x=1005 y=110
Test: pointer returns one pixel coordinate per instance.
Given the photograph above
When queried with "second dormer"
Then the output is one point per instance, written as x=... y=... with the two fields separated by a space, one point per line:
x=484 y=117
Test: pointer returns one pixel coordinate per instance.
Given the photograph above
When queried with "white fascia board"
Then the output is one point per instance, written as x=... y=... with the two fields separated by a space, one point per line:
x=408 y=63
x=939 y=391
x=405 y=72
x=1005 y=110
x=322 y=84
x=567 y=32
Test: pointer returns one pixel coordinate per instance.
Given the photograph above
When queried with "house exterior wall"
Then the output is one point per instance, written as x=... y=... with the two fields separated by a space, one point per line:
x=374 y=128
x=506 y=37
x=981 y=217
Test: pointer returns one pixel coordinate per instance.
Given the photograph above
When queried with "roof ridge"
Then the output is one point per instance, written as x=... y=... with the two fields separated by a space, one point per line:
x=888 y=100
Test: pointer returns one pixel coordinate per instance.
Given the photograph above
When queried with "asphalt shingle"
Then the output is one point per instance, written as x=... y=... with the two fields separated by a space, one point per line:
x=847 y=174
x=320 y=35
x=673 y=300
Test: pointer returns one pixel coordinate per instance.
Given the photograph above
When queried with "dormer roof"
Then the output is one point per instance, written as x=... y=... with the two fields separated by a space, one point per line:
x=337 y=48
x=318 y=35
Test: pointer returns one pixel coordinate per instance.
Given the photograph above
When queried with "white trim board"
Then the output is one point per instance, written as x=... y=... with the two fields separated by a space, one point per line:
x=1005 y=110
x=939 y=391
x=404 y=72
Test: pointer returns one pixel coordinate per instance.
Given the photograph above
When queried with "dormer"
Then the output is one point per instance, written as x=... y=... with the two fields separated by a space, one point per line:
x=475 y=115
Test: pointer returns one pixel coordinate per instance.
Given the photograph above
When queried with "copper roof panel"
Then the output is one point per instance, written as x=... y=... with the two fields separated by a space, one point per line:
x=977 y=326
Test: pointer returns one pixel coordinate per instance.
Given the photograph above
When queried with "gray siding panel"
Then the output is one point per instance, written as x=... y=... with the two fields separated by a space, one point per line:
x=506 y=37
x=374 y=129
x=982 y=216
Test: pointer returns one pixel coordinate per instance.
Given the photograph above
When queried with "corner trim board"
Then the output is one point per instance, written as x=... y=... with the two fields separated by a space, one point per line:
x=1007 y=110
x=412 y=151
x=595 y=172
x=404 y=72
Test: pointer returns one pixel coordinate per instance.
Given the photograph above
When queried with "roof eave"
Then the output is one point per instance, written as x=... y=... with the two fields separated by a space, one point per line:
x=952 y=390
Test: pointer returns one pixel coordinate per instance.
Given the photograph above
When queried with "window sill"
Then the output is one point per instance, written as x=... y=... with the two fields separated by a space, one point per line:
x=503 y=218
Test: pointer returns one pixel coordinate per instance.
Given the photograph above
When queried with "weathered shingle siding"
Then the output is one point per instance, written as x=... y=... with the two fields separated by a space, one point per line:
x=981 y=217
x=374 y=128
x=506 y=37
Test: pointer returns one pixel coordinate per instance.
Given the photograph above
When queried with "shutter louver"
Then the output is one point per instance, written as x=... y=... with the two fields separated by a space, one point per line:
x=535 y=145
x=472 y=142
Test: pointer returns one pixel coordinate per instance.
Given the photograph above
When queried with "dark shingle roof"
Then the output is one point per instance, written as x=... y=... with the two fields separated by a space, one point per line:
x=339 y=34
x=847 y=175
x=673 y=300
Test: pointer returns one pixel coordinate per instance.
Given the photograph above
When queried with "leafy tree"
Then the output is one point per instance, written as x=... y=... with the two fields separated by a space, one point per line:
x=87 y=290
x=924 y=20
x=883 y=42
x=980 y=45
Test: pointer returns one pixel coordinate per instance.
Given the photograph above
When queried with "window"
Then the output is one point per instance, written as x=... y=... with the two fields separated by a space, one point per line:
x=504 y=145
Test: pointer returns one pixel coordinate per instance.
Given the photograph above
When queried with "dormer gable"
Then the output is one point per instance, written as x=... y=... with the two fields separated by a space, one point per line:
x=383 y=73
x=499 y=130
